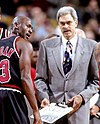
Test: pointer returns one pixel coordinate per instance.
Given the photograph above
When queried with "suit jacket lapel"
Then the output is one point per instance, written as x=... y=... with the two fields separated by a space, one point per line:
x=57 y=56
x=78 y=54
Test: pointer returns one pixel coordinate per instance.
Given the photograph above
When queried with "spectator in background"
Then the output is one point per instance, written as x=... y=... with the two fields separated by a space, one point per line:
x=87 y=29
x=21 y=11
x=92 y=10
x=35 y=45
x=42 y=25
x=79 y=84
x=3 y=28
x=92 y=27
x=9 y=7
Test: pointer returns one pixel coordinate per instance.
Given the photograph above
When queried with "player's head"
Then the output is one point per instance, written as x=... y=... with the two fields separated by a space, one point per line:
x=22 y=26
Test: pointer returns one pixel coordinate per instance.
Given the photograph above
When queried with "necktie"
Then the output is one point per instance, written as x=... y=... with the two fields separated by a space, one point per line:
x=67 y=63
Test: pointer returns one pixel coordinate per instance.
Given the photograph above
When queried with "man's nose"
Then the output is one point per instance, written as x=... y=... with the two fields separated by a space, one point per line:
x=66 y=25
x=30 y=30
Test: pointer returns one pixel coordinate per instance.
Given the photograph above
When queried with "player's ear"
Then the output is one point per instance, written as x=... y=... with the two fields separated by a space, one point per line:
x=76 y=23
x=16 y=28
x=16 y=25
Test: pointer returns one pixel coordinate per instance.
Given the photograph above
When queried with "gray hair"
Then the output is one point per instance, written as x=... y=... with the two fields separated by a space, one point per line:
x=67 y=10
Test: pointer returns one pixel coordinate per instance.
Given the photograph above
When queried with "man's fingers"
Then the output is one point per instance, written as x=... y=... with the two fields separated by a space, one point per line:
x=45 y=102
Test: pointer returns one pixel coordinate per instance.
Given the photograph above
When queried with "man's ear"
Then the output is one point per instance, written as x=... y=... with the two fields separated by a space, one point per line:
x=16 y=25
x=76 y=22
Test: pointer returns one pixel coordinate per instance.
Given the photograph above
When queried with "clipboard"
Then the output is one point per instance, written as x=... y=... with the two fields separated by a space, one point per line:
x=53 y=112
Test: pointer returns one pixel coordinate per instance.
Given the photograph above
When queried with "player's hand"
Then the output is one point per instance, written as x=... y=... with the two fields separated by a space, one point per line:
x=37 y=118
x=76 y=103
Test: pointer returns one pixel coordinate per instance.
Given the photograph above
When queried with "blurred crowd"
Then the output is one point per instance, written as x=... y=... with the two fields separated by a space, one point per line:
x=43 y=15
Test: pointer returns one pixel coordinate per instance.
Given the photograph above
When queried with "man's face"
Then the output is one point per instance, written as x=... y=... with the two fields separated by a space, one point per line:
x=67 y=25
x=25 y=29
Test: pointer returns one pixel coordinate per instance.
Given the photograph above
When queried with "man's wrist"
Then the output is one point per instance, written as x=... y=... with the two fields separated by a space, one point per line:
x=83 y=101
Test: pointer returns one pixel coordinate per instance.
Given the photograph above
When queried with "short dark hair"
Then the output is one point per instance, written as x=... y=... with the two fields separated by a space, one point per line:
x=36 y=45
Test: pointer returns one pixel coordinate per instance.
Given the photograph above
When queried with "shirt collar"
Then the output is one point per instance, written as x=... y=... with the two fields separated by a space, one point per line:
x=73 y=40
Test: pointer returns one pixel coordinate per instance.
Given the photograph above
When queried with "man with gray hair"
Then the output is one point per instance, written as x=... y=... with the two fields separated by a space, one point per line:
x=67 y=70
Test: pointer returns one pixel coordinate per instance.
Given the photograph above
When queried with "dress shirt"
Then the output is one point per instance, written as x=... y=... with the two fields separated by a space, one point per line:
x=63 y=47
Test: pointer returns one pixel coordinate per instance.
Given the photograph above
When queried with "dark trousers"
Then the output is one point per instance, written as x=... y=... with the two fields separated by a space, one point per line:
x=63 y=120
x=13 y=108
